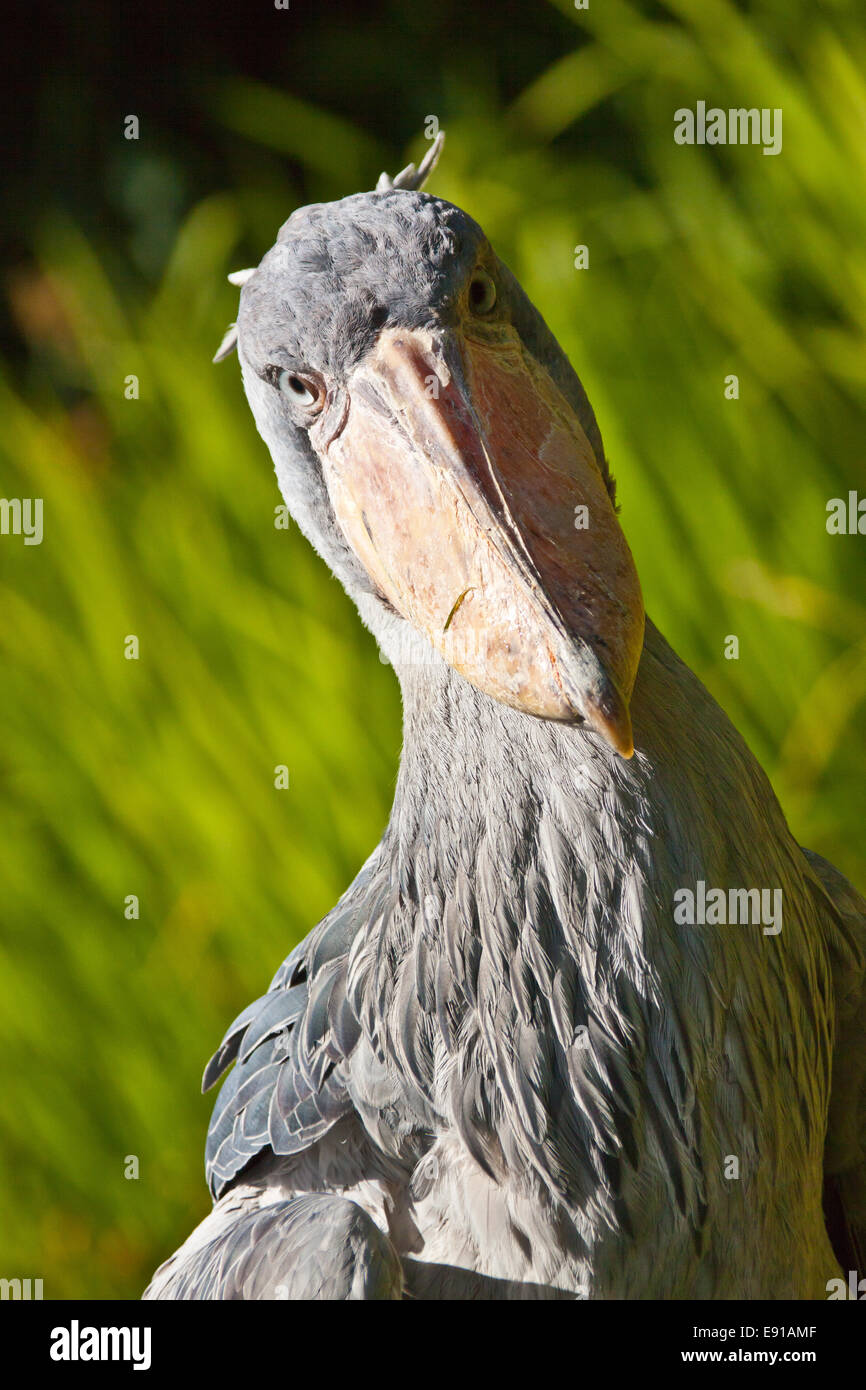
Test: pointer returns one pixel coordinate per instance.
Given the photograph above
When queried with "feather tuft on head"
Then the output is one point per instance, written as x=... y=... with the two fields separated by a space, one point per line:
x=411 y=178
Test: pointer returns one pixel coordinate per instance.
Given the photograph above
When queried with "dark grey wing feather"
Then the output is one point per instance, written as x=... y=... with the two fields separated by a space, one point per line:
x=287 y=1088
x=342 y=1020
x=228 y=1048
x=277 y=1013
x=845 y=1149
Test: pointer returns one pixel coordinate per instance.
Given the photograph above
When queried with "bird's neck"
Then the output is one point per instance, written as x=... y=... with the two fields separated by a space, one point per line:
x=473 y=770
x=496 y=791
x=488 y=796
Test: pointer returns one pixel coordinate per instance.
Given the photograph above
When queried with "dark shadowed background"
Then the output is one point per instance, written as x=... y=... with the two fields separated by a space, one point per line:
x=155 y=777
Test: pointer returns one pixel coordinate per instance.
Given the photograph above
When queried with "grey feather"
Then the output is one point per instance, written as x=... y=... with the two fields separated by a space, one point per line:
x=306 y=1247
x=411 y=178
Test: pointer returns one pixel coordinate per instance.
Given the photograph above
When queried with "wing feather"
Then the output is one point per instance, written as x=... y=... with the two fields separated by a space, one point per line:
x=287 y=1087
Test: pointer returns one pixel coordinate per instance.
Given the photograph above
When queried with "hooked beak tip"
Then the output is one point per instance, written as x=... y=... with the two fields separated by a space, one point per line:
x=614 y=726
x=604 y=709
x=593 y=693
x=619 y=737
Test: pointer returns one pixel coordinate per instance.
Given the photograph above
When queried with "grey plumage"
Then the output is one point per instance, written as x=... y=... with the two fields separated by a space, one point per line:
x=500 y=1068
x=331 y=1250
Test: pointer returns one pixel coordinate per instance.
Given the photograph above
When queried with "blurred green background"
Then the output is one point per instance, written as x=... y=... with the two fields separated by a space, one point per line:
x=156 y=777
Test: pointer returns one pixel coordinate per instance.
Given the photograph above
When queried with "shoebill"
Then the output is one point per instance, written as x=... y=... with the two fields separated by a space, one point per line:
x=507 y=1065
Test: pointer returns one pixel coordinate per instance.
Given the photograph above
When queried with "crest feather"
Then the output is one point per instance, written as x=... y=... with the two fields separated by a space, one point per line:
x=411 y=178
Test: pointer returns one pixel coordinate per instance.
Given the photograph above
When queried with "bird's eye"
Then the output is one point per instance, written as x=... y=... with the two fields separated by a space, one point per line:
x=482 y=293
x=301 y=390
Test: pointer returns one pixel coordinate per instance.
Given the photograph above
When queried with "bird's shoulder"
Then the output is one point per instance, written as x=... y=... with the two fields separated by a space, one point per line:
x=845 y=1147
x=847 y=934
x=287 y=1087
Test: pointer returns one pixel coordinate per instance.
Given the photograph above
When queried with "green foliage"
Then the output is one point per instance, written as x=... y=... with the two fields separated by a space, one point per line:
x=155 y=777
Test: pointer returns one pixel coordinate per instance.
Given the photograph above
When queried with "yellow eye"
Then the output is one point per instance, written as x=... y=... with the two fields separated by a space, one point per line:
x=482 y=293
